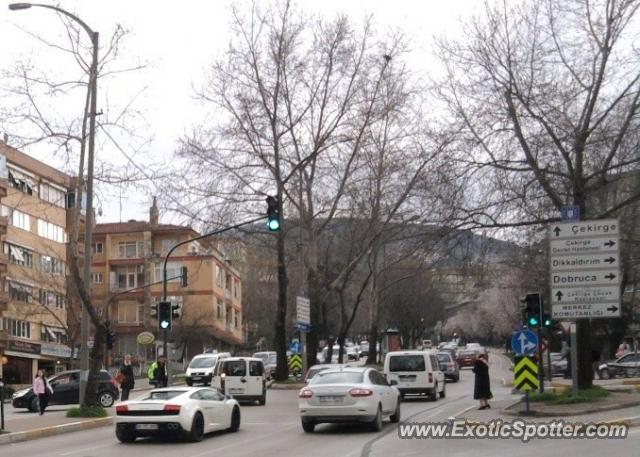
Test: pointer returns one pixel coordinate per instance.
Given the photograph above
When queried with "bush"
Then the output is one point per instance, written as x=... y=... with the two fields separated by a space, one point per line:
x=87 y=411
x=565 y=397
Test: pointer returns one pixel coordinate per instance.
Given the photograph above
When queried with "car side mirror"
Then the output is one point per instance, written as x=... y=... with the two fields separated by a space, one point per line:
x=393 y=382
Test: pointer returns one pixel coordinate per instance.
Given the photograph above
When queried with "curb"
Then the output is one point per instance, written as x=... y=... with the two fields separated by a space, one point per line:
x=564 y=414
x=275 y=386
x=44 y=432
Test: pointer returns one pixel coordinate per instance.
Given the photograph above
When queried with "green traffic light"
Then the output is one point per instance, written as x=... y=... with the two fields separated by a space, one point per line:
x=164 y=324
x=533 y=321
x=273 y=225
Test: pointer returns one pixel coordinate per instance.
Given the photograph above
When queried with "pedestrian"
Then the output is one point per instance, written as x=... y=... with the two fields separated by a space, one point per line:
x=125 y=378
x=157 y=372
x=482 y=386
x=42 y=389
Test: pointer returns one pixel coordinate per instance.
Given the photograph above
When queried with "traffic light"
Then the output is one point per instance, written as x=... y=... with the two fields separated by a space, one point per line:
x=164 y=315
x=176 y=311
x=111 y=338
x=546 y=320
x=273 y=214
x=532 y=309
x=183 y=277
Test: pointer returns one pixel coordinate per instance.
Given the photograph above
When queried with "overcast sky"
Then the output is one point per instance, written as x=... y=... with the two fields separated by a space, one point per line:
x=178 y=40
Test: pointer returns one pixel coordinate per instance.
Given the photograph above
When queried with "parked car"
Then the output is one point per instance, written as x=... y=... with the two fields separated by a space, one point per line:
x=270 y=361
x=449 y=366
x=66 y=391
x=476 y=347
x=427 y=344
x=628 y=366
x=351 y=353
x=241 y=377
x=558 y=363
x=188 y=412
x=416 y=373
x=348 y=395
x=200 y=369
x=467 y=358
x=364 y=348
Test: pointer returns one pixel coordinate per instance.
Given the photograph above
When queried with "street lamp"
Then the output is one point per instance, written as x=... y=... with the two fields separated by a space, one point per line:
x=93 y=91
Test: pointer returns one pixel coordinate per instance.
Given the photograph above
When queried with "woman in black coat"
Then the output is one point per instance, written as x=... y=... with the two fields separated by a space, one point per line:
x=482 y=387
x=126 y=377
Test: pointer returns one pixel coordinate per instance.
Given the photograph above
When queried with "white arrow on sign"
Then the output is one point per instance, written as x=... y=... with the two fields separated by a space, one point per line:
x=525 y=344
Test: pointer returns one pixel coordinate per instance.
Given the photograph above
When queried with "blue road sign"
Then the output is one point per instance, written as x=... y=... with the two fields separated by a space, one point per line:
x=295 y=347
x=524 y=342
x=570 y=213
x=305 y=328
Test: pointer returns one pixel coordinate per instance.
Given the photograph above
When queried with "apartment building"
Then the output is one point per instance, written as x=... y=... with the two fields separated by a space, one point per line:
x=35 y=219
x=129 y=255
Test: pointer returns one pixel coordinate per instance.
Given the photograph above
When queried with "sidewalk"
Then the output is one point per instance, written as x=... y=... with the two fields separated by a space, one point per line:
x=626 y=411
x=21 y=424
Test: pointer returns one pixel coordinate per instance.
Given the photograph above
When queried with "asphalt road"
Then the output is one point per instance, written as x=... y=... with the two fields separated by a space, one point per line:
x=274 y=430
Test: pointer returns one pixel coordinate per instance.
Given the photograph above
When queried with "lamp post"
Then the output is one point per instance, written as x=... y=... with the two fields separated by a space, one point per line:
x=93 y=91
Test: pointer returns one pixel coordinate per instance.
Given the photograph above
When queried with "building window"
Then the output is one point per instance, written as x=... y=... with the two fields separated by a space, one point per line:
x=21 y=181
x=52 y=194
x=51 y=231
x=20 y=329
x=129 y=313
x=53 y=334
x=51 y=265
x=131 y=249
x=174 y=270
x=219 y=276
x=236 y=321
x=19 y=292
x=17 y=218
x=236 y=289
x=97 y=278
x=219 y=309
x=168 y=244
x=52 y=299
x=130 y=277
x=96 y=248
x=18 y=255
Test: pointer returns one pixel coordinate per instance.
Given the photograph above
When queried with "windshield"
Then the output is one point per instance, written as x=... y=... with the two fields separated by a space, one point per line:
x=164 y=395
x=407 y=363
x=203 y=362
x=337 y=377
x=273 y=359
x=444 y=358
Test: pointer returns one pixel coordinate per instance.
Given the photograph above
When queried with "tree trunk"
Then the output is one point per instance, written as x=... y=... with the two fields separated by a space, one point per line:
x=282 y=367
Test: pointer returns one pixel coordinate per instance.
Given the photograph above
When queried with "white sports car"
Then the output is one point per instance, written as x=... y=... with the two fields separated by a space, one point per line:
x=348 y=395
x=183 y=411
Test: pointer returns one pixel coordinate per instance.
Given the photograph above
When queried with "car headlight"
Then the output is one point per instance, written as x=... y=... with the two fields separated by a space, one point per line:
x=20 y=393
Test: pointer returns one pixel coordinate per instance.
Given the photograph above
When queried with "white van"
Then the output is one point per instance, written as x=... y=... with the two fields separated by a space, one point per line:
x=200 y=369
x=416 y=372
x=242 y=377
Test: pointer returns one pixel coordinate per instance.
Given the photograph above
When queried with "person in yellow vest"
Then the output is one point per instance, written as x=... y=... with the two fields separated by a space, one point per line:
x=157 y=372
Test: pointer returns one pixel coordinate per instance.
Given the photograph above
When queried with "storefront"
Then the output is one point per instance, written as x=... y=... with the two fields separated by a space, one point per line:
x=22 y=362
x=24 y=359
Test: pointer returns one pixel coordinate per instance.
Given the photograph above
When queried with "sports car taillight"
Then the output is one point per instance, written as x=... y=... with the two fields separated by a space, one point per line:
x=360 y=392
x=121 y=409
x=305 y=393
x=173 y=409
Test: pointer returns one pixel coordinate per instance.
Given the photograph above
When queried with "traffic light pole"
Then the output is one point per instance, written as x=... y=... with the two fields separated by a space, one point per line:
x=165 y=332
x=540 y=354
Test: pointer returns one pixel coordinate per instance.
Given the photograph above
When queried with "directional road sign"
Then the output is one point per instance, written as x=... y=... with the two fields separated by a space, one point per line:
x=525 y=373
x=524 y=342
x=303 y=311
x=585 y=269
x=295 y=362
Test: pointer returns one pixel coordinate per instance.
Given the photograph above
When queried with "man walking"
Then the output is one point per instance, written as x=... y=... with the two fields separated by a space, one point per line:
x=157 y=372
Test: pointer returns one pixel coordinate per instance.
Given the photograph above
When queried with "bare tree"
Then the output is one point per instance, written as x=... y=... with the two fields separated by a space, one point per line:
x=36 y=117
x=545 y=95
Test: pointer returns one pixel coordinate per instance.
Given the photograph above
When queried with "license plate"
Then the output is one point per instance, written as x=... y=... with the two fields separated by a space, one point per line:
x=329 y=399
x=146 y=426
x=236 y=391
x=196 y=378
